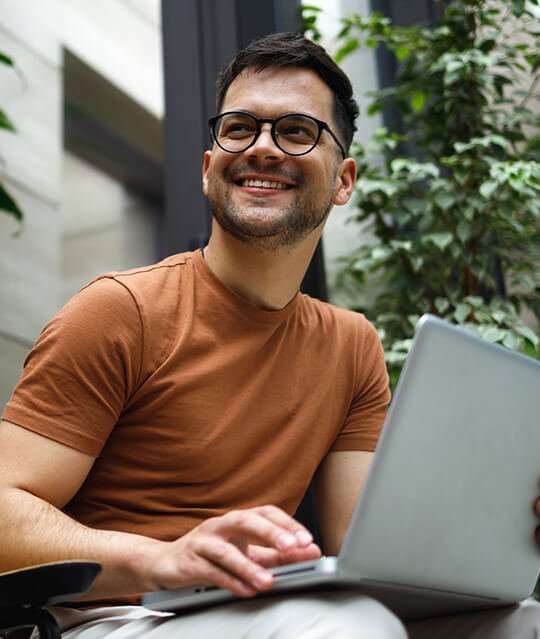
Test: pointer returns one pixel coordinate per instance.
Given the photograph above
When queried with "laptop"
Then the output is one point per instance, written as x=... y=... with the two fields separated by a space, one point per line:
x=444 y=523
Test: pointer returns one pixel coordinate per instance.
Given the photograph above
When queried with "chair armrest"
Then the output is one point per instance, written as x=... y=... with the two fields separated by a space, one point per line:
x=47 y=584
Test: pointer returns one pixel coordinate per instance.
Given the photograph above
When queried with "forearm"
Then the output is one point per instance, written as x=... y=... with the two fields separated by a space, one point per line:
x=34 y=532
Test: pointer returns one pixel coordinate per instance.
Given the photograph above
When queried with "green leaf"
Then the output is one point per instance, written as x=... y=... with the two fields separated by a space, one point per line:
x=519 y=6
x=445 y=200
x=474 y=301
x=416 y=170
x=493 y=334
x=5 y=59
x=464 y=231
x=462 y=146
x=469 y=213
x=499 y=316
x=350 y=45
x=528 y=334
x=511 y=340
x=417 y=262
x=414 y=205
x=402 y=52
x=418 y=101
x=488 y=188
x=497 y=140
x=380 y=252
x=462 y=312
x=368 y=186
x=374 y=108
x=442 y=304
x=8 y=204
x=441 y=240
x=401 y=245
x=6 y=123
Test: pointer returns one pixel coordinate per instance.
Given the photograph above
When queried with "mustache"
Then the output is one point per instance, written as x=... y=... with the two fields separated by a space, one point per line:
x=233 y=173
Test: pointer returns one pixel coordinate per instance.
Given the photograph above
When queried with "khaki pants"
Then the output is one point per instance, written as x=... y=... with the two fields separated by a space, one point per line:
x=325 y=615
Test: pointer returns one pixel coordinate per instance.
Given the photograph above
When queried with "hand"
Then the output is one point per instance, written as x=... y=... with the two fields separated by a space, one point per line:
x=233 y=551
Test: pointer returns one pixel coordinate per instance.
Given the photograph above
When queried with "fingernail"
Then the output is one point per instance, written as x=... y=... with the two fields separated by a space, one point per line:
x=304 y=537
x=262 y=579
x=285 y=540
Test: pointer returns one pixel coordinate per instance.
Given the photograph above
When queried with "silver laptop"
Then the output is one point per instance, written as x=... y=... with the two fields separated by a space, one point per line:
x=444 y=523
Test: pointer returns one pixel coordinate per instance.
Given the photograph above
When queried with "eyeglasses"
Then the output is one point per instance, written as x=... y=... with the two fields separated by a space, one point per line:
x=293 y=133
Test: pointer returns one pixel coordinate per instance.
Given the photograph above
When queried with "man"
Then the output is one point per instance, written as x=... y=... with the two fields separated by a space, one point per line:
x=163 y=409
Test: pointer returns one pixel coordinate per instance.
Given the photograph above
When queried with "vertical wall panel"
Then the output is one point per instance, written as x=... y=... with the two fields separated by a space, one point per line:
x=199 y=38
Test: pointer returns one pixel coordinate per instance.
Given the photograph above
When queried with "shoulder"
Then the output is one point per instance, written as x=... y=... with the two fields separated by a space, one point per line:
x=131 y=308
x=153 y=291
x=145 y=301
x=146 y=280
x=343 y=335
x=334 y=318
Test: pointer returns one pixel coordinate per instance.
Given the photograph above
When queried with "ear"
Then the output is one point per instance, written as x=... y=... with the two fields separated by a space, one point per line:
x=345 y=181
x=205 y=166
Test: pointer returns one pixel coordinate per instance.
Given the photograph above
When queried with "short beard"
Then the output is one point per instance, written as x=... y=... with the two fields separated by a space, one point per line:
x=294 y=224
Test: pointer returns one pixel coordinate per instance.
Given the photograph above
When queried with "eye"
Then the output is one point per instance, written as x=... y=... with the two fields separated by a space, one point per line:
x=237 y=127
x=299 y=130
x=295 y=130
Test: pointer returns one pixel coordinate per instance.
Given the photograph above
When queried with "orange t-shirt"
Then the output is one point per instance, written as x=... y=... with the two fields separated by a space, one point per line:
x=195 y=402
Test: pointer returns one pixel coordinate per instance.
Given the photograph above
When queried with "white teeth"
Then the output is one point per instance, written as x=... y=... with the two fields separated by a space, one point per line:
x=265 y=184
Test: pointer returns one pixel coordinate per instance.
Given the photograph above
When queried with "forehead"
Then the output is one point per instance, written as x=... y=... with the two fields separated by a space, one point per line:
x=274 y=91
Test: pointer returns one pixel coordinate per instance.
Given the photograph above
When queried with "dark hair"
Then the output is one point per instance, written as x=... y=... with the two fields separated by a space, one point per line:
x=293 y=50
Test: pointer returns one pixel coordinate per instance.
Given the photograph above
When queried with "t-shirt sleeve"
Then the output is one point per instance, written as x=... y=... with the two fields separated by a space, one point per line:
x=367 y=411
x=83 y=368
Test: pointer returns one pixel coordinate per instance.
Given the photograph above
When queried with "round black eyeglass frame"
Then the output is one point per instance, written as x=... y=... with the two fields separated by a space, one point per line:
x=322 y=126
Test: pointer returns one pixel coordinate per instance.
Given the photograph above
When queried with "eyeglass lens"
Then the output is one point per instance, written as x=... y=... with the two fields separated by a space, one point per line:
x=294 y=134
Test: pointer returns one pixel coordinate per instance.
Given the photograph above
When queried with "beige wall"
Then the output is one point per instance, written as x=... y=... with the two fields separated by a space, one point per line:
x=104 y=226
x=78 y=221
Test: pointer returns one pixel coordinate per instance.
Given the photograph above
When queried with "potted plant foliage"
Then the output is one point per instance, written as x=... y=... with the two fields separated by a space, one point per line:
x=7 y=203
x=454 y=207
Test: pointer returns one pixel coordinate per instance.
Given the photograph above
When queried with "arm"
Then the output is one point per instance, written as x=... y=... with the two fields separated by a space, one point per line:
x=38 y=476
x=339 y=481
x=338 y=484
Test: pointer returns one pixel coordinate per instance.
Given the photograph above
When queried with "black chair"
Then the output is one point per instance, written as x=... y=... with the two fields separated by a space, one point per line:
x=25 y=593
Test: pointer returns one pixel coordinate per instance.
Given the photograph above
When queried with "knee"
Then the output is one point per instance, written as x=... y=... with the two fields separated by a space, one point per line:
x=343 y=616
x=369 y=618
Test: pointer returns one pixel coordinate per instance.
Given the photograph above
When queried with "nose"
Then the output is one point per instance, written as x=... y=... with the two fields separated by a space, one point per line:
x=264 y=147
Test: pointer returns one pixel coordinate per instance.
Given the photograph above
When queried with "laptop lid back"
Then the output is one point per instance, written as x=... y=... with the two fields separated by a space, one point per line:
x=448 y=501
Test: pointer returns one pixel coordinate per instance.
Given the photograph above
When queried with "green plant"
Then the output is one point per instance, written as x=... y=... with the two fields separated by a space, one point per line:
x=7 y=203
x=454 y=206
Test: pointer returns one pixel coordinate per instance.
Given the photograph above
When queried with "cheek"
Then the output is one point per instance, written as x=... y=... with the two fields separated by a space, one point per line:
x=217 y=169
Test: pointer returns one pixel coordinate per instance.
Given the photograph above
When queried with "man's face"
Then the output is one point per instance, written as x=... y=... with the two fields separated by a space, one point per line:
x=263 y=196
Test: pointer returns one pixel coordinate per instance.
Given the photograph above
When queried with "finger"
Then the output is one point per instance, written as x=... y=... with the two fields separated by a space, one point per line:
x=266 y=557
x=266 y=525
x=281 y=518
x=228 y=559
x=307 y=553
x=269 y=557
x=223 y=579
x=216 y=576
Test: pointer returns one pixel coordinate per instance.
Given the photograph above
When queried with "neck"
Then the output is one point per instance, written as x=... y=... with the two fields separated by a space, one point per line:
x=267 y=279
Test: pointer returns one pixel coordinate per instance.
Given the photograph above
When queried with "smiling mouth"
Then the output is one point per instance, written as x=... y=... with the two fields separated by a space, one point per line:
x=263 y=184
